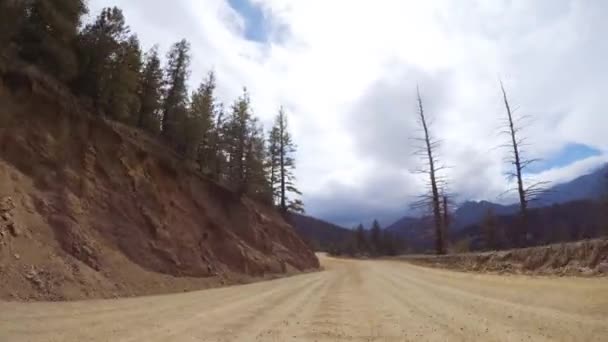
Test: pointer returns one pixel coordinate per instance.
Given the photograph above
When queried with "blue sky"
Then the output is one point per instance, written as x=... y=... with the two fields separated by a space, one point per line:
x=256 y=28
x=569 y=154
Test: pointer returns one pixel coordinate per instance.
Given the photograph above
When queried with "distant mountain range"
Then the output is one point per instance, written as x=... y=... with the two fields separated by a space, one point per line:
x=467 y=217
x=590 y=186
x=320 y=234
x=587 y=187
x=560 y=222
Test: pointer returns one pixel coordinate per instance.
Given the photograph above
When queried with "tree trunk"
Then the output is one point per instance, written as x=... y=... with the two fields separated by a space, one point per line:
x=439 y=243
x=282 y=164
x=523 y=202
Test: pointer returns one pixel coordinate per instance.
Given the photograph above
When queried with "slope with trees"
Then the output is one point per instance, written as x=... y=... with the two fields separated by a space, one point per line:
x=104 y=65
x=126 y=161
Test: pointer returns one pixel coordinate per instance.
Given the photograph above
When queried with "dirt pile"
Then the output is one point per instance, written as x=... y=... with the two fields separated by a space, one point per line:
x=91 y=208
x=589 y=257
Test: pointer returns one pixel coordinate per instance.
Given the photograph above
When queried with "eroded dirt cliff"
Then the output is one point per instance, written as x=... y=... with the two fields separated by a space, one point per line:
x=92 y=208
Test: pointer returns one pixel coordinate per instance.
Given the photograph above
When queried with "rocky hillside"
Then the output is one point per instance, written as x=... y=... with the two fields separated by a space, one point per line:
x=92 y=208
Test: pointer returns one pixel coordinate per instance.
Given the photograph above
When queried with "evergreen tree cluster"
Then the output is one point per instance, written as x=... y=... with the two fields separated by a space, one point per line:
x=102 y=62
x=373 y=242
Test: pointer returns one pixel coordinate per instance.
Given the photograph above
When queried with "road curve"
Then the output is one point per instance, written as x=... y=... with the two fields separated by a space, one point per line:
x=349 y=301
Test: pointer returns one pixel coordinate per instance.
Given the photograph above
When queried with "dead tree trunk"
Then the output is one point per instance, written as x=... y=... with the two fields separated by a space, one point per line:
x=525 y=193
x=523 y=201
x=435 y=200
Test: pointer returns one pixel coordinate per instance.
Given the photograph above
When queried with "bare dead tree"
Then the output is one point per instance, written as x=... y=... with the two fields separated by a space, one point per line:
x=526 y=193
x=432 y=198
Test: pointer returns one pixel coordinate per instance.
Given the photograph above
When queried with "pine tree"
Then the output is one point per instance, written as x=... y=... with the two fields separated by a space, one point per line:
x=282 y=164
x=201 y=125
x=106 y=49
x=256 y=176
x=376 y=237
x=244 y=151
x=122 y=98
x=361 y=239
x=48 y=33
x=150 y=92
x=236 y=134
x=218 y=145
x=176 y=93
x=274 y=163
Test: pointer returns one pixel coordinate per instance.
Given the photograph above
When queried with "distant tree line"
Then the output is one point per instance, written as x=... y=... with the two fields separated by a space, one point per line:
x=558 y=223
x=102 y=63
x=373 y=242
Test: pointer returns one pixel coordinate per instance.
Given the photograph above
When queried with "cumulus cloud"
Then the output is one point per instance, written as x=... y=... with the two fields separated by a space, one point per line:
x=346 y=71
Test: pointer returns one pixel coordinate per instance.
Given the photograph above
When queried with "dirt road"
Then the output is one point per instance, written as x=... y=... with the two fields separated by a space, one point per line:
x=349 y=301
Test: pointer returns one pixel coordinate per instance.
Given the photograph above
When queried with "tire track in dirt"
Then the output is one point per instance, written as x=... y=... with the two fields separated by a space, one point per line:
x=78 y=318
x=351 y=300
x=412 y=318
x=325 y=323
x=420 y=316
x=486 y=317
x=349 y=310
x=241 y=313
x=272 y=322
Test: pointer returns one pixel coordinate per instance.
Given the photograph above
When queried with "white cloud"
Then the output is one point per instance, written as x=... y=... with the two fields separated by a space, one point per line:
x=571 y=171
x=346 y=70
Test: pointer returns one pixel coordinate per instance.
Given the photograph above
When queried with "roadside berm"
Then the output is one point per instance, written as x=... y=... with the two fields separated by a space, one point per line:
x=583 y=258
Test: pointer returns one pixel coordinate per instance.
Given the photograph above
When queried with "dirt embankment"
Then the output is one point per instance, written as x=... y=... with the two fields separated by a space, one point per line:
x=90 y=208
x=586 y=258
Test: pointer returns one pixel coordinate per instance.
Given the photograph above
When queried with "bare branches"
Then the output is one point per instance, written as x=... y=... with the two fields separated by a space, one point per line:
x=526 y=163
x=513 y=127
x=538 y=189
x=432 y=198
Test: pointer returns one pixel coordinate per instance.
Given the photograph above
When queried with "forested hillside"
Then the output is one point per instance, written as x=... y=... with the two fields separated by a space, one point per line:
x=321 y=235
x=103 y=64
x=116 y=179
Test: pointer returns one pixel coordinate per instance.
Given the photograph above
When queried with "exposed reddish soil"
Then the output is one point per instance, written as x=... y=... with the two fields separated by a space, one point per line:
x=91 y=208
x=585 y=258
